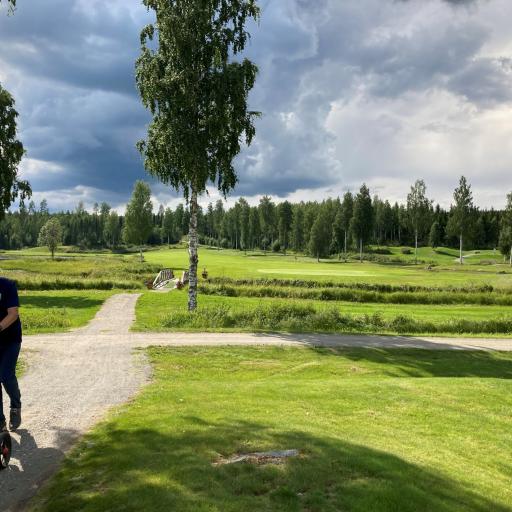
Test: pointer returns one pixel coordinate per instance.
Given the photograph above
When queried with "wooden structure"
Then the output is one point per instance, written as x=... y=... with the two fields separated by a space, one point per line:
x=163 y=278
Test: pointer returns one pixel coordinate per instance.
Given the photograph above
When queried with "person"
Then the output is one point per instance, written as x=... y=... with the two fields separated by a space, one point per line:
x=10 y=346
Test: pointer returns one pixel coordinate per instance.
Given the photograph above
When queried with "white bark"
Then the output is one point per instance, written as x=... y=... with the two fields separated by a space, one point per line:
x=416 y=248
x=193 y=256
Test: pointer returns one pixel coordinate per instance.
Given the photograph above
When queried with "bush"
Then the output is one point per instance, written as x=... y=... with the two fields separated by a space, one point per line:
x=406 y=250
x=276 y=246
x=381 y=250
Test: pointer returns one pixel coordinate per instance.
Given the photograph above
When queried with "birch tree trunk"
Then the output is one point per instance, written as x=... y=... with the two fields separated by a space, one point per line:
x=510 y=256
x=416 y=248
x=192 y=252
x=460 y=251
x=361 y=250
x=345 y=245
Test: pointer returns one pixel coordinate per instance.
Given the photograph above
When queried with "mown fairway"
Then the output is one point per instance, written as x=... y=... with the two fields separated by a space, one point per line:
x=377 y=431
x=236 y=264
x=265 y=292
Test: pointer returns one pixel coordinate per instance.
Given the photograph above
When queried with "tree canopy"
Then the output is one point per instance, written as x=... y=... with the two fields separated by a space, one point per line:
x=51 y=235
x=11 y=153
x=418 y=208
x=139 y=216
x=461 y=213
x=361 y=223
x=197 y=93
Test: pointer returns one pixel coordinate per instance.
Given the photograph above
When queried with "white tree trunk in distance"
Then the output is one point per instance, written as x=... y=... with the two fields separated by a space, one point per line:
x=460 y=251
x=416 y=248
x=192 y=252
x=511 y=255
x=361 y=250
x=345 y=245
x=141 y=257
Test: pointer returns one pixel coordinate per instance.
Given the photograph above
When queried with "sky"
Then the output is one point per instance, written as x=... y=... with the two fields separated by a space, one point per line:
x=377 y=91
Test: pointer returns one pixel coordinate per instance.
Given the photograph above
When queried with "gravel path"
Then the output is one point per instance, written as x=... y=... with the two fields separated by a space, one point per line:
x=75 y=377
x=72 y=380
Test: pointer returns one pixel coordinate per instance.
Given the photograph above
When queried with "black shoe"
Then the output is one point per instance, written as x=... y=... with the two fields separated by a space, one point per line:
x=3 y=426
x=15 y=418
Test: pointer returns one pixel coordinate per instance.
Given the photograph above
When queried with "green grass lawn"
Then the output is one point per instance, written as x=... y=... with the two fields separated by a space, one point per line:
x=236 y=264
x=59 y=311
x=377 y=431
x=167 y=312
x=35 y=271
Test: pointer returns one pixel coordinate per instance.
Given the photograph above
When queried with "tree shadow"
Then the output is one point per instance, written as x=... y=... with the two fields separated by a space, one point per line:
x=430 y=363
x=51 y=301
x=146 y=469
x=30 y=467
x=403 y=356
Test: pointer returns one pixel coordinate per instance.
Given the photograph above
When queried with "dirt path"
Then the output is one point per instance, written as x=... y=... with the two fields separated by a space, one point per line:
x=74 y=378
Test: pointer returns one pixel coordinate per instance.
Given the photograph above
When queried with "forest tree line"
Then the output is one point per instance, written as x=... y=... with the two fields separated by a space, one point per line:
x=320 y=229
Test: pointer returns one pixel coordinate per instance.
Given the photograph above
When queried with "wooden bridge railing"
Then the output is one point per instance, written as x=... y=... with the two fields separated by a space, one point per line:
x=163 y=278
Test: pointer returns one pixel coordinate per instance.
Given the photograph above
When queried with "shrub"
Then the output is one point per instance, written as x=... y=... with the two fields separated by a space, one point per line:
x=381 y=250
x=406 y=250
x=276 y=246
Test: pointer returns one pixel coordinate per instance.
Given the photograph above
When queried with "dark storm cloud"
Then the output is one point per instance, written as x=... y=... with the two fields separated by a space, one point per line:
x=70 y=64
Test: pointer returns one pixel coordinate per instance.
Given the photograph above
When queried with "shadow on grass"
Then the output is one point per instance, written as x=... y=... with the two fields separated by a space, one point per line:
x=430 y=363
x=146 y=469
x=51 y=301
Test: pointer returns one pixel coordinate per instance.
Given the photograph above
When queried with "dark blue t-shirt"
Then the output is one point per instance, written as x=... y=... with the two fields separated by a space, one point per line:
x=9 y=299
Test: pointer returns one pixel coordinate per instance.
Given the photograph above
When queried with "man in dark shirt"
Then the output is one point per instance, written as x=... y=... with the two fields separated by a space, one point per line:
x=10 y=345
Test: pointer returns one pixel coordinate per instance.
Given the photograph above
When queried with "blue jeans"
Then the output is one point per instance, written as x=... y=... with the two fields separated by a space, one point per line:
x=9 y=353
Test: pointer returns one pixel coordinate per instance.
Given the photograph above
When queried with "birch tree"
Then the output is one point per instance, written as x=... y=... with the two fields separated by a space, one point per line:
x=51 y=235
x=138 y=220
x=11 y=149
x=505 y=241
x=191 y=78
x=418 y=211
x=461 y=214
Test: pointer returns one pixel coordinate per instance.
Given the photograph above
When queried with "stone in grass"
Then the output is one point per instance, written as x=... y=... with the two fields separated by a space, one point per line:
x=271 y=457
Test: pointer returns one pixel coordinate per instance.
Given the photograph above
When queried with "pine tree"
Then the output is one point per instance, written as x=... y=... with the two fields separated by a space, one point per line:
x=435 y=236
x=320 y=236
x=298 y=228
x=285 y=216
x=361 y=223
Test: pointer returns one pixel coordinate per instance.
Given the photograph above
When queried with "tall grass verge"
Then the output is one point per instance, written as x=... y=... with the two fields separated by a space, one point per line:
x=306 y=318
x=374 y=287
x=354 y=294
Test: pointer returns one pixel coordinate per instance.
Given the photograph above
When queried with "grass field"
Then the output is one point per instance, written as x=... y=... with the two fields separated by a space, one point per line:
x=59 y=311
x=377 y=431
x=389 y=296
x=235 y=264
x=157 y=312
x=33 y=270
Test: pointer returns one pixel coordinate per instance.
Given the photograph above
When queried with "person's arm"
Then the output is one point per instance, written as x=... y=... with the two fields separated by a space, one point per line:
x=12 y=315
